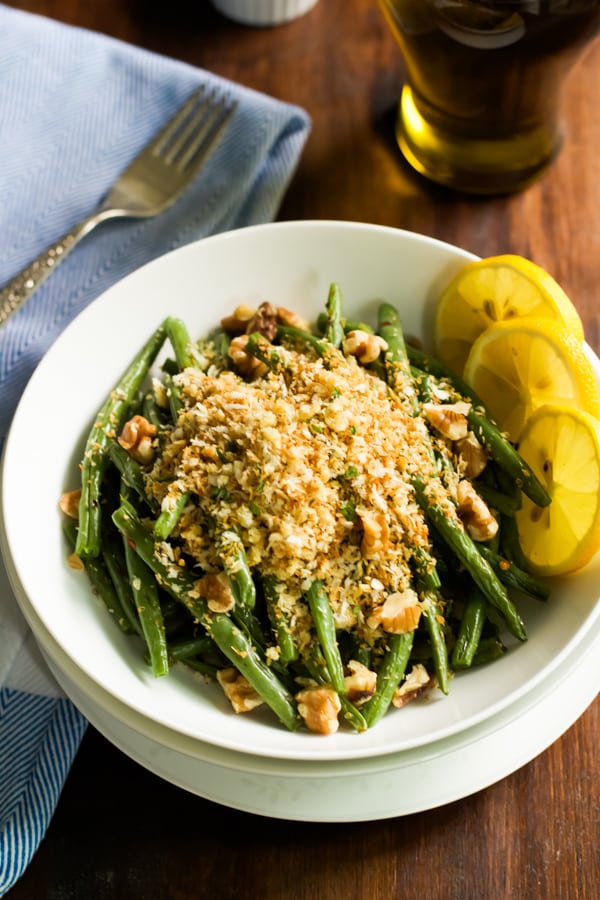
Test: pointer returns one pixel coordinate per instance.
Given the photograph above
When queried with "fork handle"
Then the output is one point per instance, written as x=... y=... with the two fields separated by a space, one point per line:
x=20 y=288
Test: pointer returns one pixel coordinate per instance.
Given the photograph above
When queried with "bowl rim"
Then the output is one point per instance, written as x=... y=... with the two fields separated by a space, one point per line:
x=321 y=749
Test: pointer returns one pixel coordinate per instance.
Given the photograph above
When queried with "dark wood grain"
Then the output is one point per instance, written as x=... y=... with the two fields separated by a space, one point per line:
x=120 y=832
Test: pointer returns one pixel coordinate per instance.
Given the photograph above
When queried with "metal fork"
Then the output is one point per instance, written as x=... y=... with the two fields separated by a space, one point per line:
x=149 y=185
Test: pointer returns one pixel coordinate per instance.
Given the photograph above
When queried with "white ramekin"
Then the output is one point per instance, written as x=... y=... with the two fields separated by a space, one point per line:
x=263 y=12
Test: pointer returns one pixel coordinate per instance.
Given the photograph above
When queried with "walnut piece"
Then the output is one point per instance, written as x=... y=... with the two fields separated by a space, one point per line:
x=215 y=588
x=376 y=532
x=474 y=513
x=236 y=323
x=238 y=690
x=75 y=562
x=319 y=707
x=417 y=682
x=264 y=321
x=245 y=363
x=365 y=346
x=137 y=437
x=450 y=419
x=399 y=613
x=360 y=684
x=287 y=317
x=472 y=455
x=69 y=503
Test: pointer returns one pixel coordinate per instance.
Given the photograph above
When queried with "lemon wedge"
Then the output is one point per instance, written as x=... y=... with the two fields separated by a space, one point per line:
x=562 y=446
x=493 y=290
x=519 y=365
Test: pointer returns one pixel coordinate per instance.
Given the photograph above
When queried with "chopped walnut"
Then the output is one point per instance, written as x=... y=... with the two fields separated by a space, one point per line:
x=450 y=419
x=137 y=437
x=75 y=562
x=238 y=690
x=69 y=503
x=287 y=317
x=474 y=513
x=417 y=682
x=365 y=346
x=264 y=321
x=472 y=455
x=245 y=363
x=319 y=707
x=375 y=532
x=399 y=613
x=236 y=323
x=215 y=588
x=360 y=684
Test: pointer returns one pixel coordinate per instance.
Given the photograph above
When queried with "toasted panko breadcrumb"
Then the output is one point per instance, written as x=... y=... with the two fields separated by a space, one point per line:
x=310 y=465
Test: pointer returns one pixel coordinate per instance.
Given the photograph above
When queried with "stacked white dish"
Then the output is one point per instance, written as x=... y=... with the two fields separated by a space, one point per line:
x=495 y=718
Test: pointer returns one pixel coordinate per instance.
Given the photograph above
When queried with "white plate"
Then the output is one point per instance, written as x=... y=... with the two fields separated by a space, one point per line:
x=360 y=789
x=387 y=786
x=291 y=264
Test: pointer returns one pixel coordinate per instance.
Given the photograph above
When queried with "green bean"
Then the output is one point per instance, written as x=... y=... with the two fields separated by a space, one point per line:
x=145 y=593
x=397 y=364
x=131 y=472
x=426 y=569
x=318 y=670
x=203 y=646
x=510 y=543
x=465 y=550
x=422 y=360
x=389 y=676
x=262 y=349
x=220 y=341
x=334 y=332
x=251 y=624
x=359 y=651
x=113 y=556
x=432 y=615
x=514 y=577
x=181 y=342
x=174 y=398
x=95 y=456
x=152 y=411
x=288 y=651
x=235 y=562
x=101 y=582
x=177 y=581
x=322 y=615
x=503 y=503
x=485 y=429
x=503 y=452
x=231 y=640
x=469 y=633
x=198 y=665
x=347 y=324
x=489 y=650
x=321 y=347
x=170 y=515
x=236 y=645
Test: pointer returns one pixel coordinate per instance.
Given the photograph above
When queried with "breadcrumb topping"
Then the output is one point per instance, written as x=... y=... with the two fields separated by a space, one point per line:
x=310 y=466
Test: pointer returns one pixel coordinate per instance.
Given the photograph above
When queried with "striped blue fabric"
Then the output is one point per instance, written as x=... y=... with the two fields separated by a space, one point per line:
x=75 y=108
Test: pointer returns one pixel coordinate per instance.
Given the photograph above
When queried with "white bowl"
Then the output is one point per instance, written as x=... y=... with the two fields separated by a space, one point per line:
x=291 y=264
x=391 y=785
x=263 y=12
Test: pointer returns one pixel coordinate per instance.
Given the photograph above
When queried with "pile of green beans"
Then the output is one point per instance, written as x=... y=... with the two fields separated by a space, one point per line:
x=469 y=591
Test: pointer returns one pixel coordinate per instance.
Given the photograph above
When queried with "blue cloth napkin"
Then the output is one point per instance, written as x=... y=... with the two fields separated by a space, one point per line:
x=75 y=108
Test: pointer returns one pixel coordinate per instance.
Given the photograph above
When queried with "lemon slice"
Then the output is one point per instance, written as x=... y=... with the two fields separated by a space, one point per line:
x=493 y=290
x=562 y=446
x=519 y=365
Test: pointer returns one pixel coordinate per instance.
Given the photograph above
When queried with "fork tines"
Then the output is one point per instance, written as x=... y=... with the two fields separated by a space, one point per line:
x=189 y=137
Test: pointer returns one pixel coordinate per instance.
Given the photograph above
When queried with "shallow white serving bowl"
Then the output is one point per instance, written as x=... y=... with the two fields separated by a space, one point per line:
x=290 y=264
x=361 y=789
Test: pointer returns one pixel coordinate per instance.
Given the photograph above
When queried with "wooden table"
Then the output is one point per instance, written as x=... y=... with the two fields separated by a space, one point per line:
x=121 y=832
